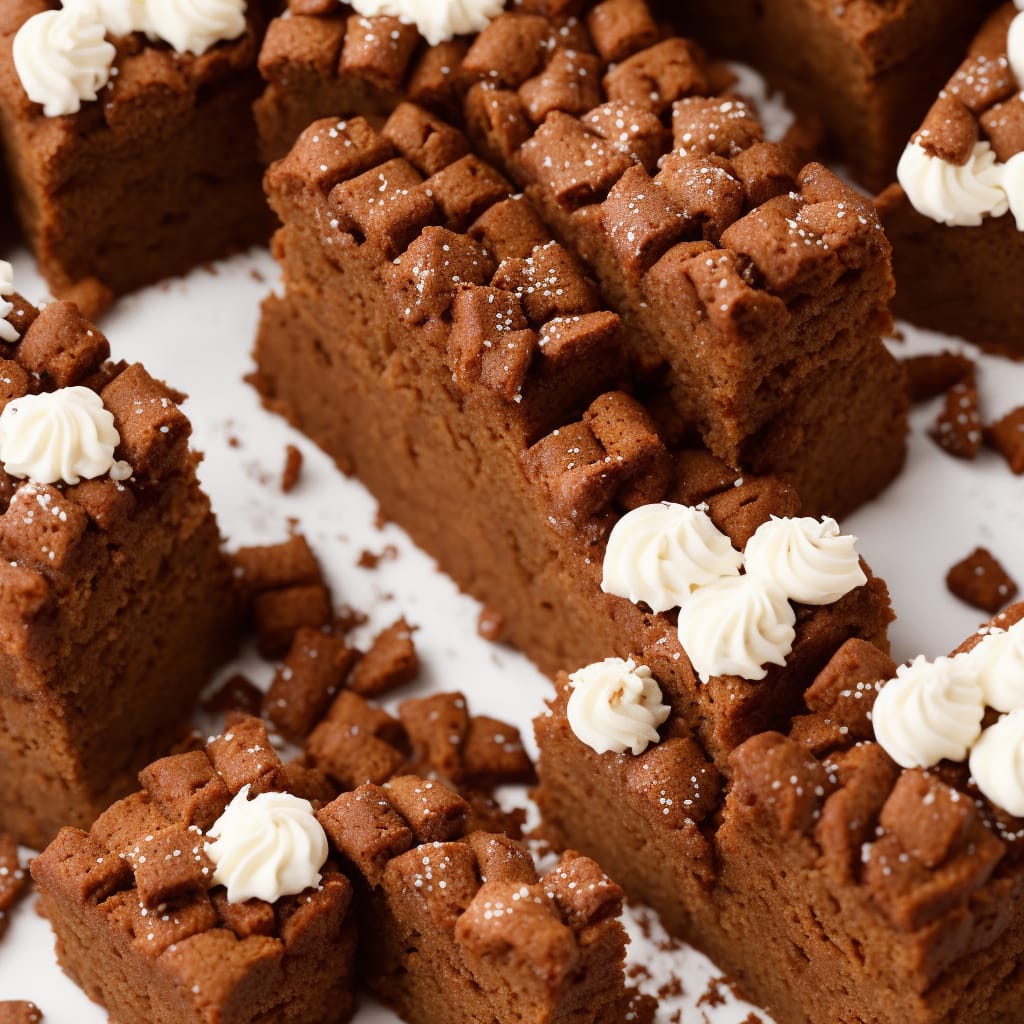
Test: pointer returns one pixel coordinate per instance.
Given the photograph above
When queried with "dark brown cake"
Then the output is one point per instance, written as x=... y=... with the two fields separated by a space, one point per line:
x=156 y=176
x=116 y=601
x=868 y=68
x=830 y=884
x=962 y=279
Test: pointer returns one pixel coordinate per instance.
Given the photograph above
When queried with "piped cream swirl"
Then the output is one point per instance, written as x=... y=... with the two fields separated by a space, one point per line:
x=436 y=20
x=811 y=561
x=953 y=194
x=931 y=711
x=7 y=331
x=267 y=847
x=616 y=705
x=193 y=26
x=737 y=626
x=63 y=435
x=997 y=763
x=661 y=553
x=997 y=662
x=63 y=59
x=118 y=17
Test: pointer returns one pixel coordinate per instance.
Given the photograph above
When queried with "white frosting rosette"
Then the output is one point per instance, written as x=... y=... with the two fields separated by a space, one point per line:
x=616 y=705
x=193 y=26
x=954 y=194
x=737 y=626
x=997 y=763
x=810 y=560
x=436 y=20
x=65 y=435
x=63 y=59
x=661 y=553
x=267 y=847
x=118 y=17
x=997 y=662
x=931 y=711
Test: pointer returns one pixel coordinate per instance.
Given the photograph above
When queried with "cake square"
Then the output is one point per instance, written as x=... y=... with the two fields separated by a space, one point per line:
x=117 y=602
x=150 y=168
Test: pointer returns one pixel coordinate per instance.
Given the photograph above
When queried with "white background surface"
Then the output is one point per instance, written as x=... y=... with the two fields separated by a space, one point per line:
x=197 y=333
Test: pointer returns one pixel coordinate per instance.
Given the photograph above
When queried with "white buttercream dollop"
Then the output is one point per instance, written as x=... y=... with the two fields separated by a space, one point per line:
x=63 y=59
x=736 y=627
x=7 y=331
x=65 y=435
x=997 y=662
x=267 y=847
x=616 y=705
x=661 y=553
x=931 y=711
x=436 y=20
x=193 y=26
x=1013 y=182
x=997 y=763
x=953 y=194
x=810 y=560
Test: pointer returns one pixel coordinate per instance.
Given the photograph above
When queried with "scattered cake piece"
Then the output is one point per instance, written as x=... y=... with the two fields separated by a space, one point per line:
x=934 y=373
x=958 y=428
x=13 y=879
x=236 y=693
x=1007 y=437
x=390 y=662
x=117 y=601
x=491 y=625
x=292 y=469
x=17 y=1012
x=979 y=580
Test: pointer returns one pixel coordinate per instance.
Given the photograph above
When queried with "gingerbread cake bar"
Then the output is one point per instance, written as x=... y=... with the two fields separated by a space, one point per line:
x=116 y=600
x=153 y=170
x=868 y=70
x=753 y=292
x=831 y=884
x=954 y=216
x=426 y=362
x=221 y=892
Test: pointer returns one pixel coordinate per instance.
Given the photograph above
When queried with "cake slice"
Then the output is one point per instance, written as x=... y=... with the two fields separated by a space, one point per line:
x=868 y=70
x=116 y=600
x=129 y=139
x=953 y=216
x=220 y=892
x=827 y=880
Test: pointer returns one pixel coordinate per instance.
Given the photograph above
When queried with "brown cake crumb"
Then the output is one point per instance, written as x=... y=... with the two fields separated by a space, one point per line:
x=934 y=373
x=958 y=429
x=491 y=625
x=236 y=693
x=17 y=1012
x=371 y=559
x=712 y=996
x=13 y=881
x=390 y=662
x=1007 y=437
x=980 y=581
x=292 y=468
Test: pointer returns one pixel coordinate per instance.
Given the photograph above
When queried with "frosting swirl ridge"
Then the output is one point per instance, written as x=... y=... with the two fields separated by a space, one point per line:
x=737 y=626
x=7 y=331
x=811 y=561
x=267 y=847
x=616 y=705
x=998 y=664
x=661 y=553
x=193 y=26
x=63 y=59
x=931 y=711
